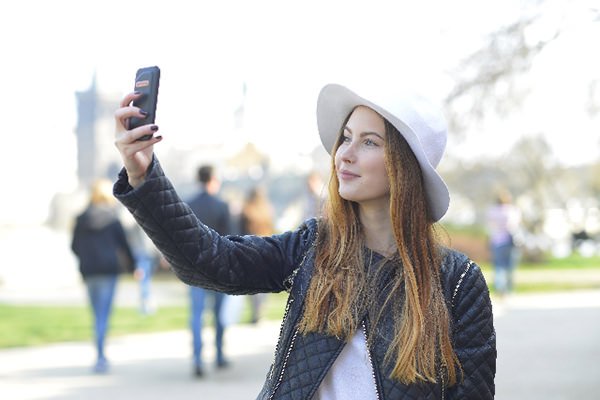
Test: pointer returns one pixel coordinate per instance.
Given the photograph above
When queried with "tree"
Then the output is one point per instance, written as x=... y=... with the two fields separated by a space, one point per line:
x=492 y=84
x=493 y=79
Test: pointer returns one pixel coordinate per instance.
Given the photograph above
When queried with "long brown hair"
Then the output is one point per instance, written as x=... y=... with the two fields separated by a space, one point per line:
x=421 y=348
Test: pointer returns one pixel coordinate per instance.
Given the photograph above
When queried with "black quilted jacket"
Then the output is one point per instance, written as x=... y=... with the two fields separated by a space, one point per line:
x=249 y=264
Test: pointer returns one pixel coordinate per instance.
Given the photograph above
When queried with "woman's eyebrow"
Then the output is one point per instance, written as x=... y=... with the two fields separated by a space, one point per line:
x=366 y=133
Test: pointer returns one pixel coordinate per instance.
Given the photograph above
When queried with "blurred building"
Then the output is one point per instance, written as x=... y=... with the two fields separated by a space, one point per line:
x=96 y=155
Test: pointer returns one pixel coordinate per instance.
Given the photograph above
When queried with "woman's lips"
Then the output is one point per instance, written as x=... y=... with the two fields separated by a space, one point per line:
x=343 y=174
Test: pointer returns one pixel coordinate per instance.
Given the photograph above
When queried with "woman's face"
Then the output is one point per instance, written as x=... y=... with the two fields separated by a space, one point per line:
x=360 y=159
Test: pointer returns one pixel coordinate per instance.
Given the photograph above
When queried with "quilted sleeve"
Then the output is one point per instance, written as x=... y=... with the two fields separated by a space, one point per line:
x=198 y=255
x=474 y=336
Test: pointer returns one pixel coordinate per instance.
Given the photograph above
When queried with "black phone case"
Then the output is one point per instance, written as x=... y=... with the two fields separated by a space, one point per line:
x=146 y=82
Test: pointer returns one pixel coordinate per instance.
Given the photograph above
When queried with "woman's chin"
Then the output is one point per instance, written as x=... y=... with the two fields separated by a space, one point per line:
x=348 y=196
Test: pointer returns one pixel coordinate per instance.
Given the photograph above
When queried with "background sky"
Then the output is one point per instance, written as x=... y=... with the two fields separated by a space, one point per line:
x=283 y=51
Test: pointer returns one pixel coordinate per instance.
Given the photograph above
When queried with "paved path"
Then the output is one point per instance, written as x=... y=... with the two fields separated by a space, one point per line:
x=548 y=346
x=549 y=353
x=149 y=366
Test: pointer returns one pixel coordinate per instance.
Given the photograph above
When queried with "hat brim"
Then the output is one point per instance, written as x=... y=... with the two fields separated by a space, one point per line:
x=334 y=104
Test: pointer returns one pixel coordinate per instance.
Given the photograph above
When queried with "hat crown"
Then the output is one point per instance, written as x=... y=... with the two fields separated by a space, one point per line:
x=424 y=119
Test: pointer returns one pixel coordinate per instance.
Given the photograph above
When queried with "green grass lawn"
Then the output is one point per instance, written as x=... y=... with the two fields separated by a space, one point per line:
x=34 y=325
x=545 y=287
x=22 y=325
x=574 y=261
x=548 y=276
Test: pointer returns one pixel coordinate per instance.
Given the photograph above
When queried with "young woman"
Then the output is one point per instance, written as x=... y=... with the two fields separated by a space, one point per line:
x=377 y=308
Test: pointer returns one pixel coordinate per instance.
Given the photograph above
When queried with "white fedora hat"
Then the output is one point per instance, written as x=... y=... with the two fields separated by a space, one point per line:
x=422 y=125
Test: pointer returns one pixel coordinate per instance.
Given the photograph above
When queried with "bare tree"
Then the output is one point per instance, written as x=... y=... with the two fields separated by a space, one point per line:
x=493 y=79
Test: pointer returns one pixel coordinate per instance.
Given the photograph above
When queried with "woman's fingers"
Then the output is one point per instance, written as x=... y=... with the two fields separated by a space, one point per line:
x=121 y=129
x=126 y=137
x=123 y=114
x=127 y=111
x=129 y=98
x=128 y=143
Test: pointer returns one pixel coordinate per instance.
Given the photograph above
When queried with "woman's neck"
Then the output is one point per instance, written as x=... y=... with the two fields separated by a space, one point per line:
x=377 y=227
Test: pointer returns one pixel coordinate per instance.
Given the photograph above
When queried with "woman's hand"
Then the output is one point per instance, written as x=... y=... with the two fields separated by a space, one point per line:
x=136 y=154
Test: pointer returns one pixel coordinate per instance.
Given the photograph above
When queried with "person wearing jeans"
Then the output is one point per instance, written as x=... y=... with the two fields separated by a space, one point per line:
x=503 y=223
x=100 y=244
x=198 y=298
x=214 y=211
x=101 y=291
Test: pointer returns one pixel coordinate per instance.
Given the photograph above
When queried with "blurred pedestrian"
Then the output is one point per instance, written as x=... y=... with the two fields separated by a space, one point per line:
x=377 y=308
x=146 y=263
x=503 y=220
x=256 y=218
x=100 y=243
x=213 y=212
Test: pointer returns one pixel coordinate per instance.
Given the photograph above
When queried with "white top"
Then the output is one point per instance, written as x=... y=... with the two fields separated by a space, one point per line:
x=351 y=375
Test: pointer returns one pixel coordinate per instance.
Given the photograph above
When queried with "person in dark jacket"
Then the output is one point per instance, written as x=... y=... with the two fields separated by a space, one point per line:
x=377 y=307
x=214 y=212
x=100 y=244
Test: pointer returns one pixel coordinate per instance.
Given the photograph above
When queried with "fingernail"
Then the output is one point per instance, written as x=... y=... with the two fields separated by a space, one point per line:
x=144 y=113
x=154 y=127
x=158 y=137
x=137 y=92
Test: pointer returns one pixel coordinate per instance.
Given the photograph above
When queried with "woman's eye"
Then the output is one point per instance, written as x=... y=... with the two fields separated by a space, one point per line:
x=370 y=142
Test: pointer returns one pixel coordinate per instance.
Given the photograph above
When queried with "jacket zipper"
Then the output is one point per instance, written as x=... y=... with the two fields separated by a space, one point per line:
x=287 y=283
x=443 y=384
x=285 y=317
x=364 y=326
x=285 y=360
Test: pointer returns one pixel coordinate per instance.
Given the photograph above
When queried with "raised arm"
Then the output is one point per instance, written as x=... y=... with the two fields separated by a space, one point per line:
x=198 y=255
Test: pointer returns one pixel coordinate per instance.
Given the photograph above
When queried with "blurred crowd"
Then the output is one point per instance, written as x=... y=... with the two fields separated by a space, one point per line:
x=108 y=243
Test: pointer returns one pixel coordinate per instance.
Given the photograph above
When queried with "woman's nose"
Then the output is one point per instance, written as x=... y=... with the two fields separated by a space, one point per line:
x=348 y=153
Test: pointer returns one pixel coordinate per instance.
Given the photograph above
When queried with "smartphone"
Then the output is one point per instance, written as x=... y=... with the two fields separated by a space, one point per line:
x=146 y=82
